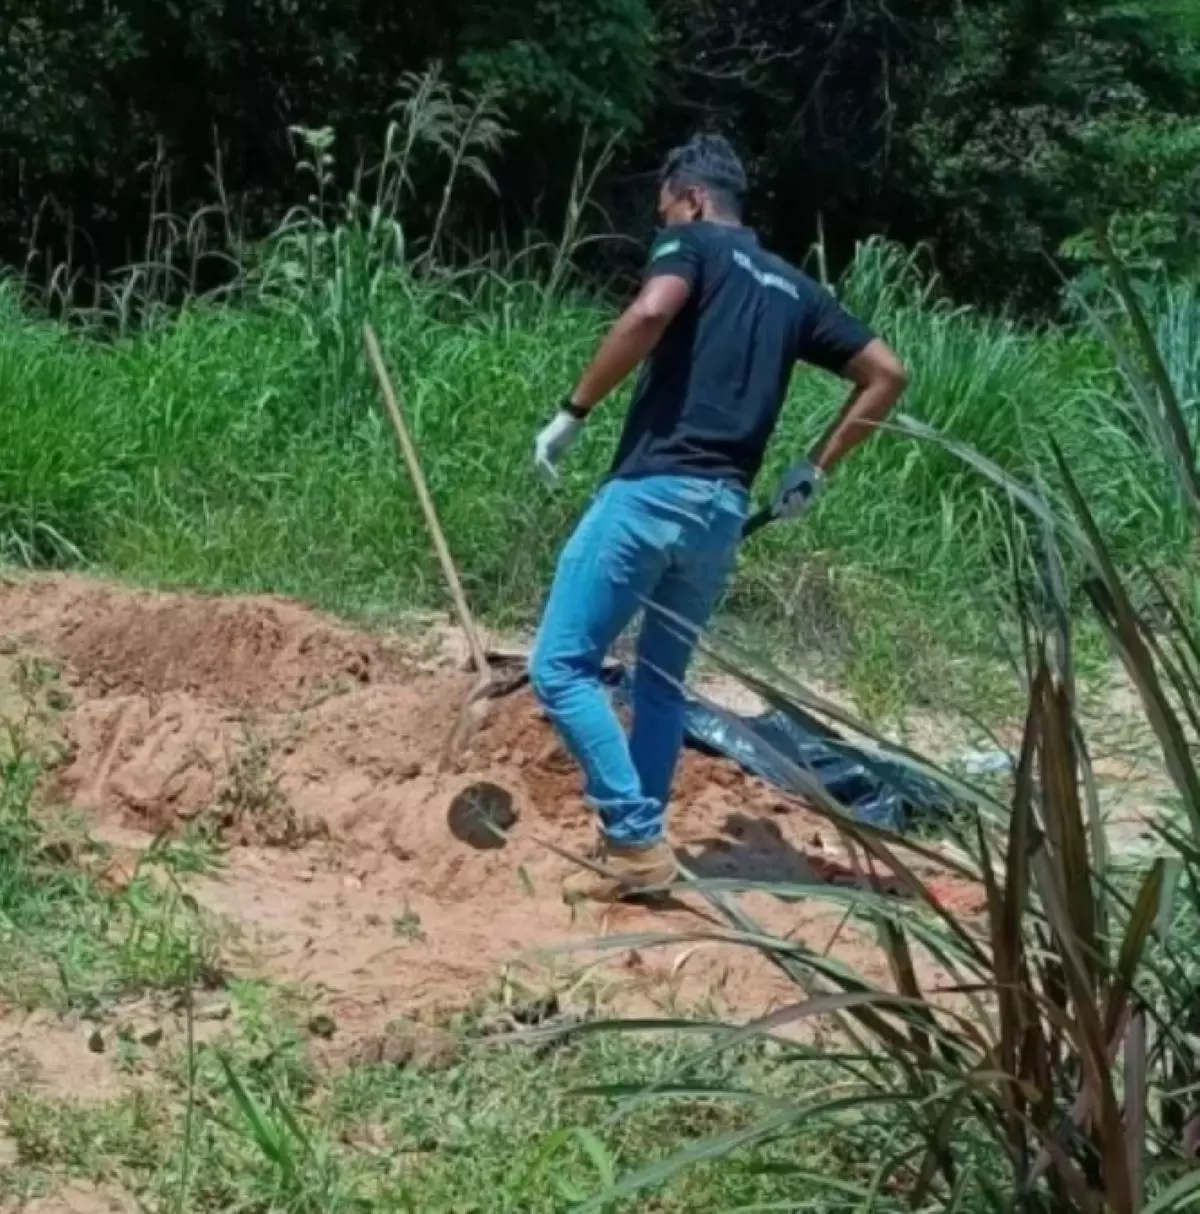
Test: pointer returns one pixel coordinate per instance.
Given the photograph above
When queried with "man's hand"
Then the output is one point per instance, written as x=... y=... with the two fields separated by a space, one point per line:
x=552 y=443
x=802 y=485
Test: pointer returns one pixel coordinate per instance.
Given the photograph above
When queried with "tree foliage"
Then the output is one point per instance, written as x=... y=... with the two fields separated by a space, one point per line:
x=565 y=65
x=1048 y=116
x=995 y=131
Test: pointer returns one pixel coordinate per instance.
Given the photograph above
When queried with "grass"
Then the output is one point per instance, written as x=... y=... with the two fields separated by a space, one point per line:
x=237 y=448
x=498 y=1131
x=234 y=441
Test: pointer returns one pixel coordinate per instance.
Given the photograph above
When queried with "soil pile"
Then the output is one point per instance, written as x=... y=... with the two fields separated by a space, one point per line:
x=314 y=749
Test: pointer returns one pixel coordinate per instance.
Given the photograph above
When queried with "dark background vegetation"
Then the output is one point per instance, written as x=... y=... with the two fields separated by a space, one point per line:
x=993 y=131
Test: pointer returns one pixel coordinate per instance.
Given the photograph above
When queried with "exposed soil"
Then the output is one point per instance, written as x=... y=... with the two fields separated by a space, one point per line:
x=38 y=1053
x=314 y=749
x=82 y=1197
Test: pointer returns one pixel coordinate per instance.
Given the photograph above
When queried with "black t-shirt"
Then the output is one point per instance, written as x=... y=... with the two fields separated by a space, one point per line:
x=709 y=396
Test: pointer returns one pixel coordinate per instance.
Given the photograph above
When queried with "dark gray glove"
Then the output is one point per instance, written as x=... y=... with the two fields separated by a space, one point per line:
x=802 y=484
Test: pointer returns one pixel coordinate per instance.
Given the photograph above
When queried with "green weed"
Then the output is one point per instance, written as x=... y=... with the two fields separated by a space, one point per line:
x=407 y=925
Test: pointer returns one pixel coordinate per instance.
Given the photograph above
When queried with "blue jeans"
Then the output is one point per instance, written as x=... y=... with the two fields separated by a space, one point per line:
x=667 y=543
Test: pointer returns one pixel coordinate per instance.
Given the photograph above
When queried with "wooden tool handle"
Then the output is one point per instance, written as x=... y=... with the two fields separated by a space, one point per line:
x=409 y=451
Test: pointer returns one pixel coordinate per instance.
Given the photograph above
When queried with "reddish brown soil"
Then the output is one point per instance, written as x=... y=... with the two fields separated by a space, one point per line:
x=315 y=749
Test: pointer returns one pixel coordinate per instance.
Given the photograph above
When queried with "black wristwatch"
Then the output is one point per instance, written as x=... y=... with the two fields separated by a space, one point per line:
x=576 y=411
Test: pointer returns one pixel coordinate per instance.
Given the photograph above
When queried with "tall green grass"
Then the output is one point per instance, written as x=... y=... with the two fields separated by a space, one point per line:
x=221 y=449
x=235 y=444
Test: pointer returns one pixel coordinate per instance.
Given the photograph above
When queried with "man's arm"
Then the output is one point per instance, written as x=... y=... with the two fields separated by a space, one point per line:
x=632 y=339
x=879 y=380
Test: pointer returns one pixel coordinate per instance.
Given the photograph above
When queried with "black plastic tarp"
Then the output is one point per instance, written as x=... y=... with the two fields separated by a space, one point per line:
x=874 y=790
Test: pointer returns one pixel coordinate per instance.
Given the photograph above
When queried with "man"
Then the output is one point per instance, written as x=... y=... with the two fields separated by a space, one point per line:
x=719 y=324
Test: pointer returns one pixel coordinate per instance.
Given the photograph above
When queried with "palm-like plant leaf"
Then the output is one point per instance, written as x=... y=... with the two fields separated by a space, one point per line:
x=1054 y=1052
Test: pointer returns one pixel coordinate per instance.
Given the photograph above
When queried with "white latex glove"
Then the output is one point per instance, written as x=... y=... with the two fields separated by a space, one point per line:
x=801 y=487
x=552 y=443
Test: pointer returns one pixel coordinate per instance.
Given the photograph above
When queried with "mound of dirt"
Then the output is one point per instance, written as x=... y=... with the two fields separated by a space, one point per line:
x=151 y=762
x=257 y=651
x=284 y=728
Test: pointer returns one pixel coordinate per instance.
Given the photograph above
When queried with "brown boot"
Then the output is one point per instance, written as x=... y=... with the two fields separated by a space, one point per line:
x=627 y=872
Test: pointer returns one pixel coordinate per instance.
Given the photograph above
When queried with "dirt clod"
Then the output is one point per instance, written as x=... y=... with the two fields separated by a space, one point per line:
x=423 y=1049
x=120 y=870
x=142 y=1032
x=222 y=1009
x=323 y=1026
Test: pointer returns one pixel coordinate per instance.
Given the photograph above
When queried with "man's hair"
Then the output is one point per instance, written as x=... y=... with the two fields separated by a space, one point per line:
x=710 y=163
